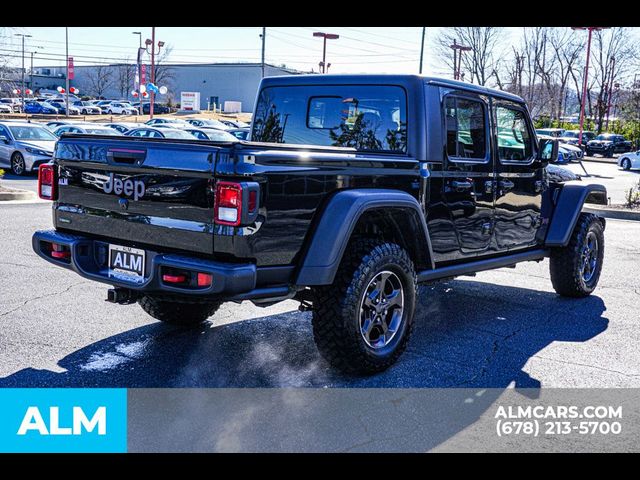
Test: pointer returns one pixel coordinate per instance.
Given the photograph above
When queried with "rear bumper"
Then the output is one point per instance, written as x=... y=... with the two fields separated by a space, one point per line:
x=89 y=261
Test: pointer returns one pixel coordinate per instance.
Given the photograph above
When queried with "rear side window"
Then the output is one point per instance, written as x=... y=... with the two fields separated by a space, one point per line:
x=367 y=118
x=466 y=128
x=515 y=142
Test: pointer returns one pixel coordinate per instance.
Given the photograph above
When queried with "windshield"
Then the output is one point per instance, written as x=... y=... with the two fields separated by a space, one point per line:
x=571 y=134
x=101 y=131
x=177 y=134
x=32 y=133
x=221 y=136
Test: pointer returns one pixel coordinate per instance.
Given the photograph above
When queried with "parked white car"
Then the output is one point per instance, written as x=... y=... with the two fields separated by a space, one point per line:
x=4 y=108
x=120 y=108
x=629 y=160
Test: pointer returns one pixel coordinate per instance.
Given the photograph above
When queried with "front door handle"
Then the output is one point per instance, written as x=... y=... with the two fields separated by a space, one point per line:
x=461 y=185
x=506 y=185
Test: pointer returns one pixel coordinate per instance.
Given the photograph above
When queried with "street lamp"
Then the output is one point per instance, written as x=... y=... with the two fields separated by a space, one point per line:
x=325 y=37
x=586 y=75
x=22 y=89
x=139 y=61
x=31 y=71
x=150 y=43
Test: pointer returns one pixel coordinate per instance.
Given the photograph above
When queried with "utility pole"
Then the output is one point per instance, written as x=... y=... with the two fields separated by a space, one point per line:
x=422 y=49
x=325 y=37
x=22 y=89
x=586 y=75
x=66 y=33
x=264 y=36
x=457 y=58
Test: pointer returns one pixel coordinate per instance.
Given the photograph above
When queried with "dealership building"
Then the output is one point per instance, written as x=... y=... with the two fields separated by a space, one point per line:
x=217 y=82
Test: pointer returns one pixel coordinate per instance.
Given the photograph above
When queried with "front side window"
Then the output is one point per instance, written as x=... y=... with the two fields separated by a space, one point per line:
x=367 y=118
x=466 y=128
x=514 y=137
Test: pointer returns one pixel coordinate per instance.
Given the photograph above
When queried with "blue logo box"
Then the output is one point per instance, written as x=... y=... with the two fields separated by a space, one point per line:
x=63 y=420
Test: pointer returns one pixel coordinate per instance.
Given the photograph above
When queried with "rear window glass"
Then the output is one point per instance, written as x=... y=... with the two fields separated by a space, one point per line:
x=368 y=118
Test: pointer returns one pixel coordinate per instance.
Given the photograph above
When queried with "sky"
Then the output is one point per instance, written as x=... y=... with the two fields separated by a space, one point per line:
x=358 y=50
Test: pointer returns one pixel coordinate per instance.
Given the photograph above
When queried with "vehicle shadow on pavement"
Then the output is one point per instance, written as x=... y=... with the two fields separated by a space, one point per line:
x=467 y=334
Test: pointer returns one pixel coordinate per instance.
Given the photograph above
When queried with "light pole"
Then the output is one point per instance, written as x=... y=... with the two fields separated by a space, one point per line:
x=610 y=92
x=325 y=37
x=424 y=29
x=263 y=35
x=22 y=89
x=31 y=71
x=586 y=75
x=151 y=43
x=139 y=61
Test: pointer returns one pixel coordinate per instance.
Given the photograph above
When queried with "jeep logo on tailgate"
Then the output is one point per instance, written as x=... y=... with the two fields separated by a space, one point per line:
x=127 y=187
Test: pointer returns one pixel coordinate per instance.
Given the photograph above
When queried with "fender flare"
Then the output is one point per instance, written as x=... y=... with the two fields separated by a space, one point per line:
x=339 y=218
x=568 y=208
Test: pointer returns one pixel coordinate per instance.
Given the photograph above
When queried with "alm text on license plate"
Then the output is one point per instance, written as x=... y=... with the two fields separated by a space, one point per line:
x=126 y=263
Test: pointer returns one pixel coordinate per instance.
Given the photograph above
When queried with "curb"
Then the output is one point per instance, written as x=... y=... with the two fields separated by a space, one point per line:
x=16 y=194
x=600 y=160
x=611 y=213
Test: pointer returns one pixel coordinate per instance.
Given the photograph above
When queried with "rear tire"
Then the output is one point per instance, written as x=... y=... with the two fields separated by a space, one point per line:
x=178 y=313
x=575 y=269
x=363 y=321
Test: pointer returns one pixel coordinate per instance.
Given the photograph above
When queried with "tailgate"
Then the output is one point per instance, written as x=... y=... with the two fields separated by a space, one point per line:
x=154 y=192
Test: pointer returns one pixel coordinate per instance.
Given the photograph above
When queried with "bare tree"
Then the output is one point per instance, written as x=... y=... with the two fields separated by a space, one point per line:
x=567 y=48
x=99 y=79
x=164 y=73
x=614 y=52
x=481 y=62
x=125 y=73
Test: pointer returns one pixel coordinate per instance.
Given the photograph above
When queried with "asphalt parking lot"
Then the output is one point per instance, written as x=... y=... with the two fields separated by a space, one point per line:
x=499 y=329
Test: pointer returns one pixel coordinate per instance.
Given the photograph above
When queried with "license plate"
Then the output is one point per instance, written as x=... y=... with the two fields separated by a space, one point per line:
x=126 y=262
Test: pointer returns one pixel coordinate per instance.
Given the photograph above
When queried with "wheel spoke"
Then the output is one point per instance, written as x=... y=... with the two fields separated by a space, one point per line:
x=394 y=323
x=394 y=299
x=366 y=327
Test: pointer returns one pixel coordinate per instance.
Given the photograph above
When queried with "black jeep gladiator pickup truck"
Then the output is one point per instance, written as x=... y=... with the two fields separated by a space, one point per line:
x=352 y=190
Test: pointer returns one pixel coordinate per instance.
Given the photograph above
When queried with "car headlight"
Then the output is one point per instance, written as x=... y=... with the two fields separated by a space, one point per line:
x=37 y=151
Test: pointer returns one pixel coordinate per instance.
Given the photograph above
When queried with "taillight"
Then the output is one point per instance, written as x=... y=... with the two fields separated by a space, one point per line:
x=228 y=206
x=47 y=182
x=236 y=203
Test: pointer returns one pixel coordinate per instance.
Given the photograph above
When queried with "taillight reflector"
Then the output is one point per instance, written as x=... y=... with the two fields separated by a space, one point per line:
x=204 y=279
x=47 y=182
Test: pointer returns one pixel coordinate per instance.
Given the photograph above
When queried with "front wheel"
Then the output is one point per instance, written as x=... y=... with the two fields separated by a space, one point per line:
x=177 y=313
x=362 y=322
x=575 y=269
x=609 y=153
x=109 y=112
x=18 y=167
x=626 y=164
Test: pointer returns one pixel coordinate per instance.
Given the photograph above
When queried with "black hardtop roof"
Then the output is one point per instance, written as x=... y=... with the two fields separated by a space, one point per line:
x=385 y=79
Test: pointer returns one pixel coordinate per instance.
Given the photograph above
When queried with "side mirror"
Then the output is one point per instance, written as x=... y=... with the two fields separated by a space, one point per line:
x=4 y=139
x=547 y=150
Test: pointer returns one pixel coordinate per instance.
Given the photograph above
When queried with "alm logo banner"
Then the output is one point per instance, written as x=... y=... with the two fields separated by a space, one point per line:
x=54 y=420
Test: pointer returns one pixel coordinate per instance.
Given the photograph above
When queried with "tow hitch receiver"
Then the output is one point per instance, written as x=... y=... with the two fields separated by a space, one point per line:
x=122 y=296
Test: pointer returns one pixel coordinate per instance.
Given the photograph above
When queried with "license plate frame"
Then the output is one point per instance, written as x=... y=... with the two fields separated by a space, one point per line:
x=126 y=263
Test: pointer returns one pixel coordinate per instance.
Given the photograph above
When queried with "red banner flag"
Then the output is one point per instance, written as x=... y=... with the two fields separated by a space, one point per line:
x=70 y=66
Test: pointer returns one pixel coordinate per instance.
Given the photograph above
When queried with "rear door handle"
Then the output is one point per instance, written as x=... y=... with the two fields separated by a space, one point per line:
x=460 y=185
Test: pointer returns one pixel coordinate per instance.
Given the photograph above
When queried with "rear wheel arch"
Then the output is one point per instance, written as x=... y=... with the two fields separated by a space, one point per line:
x=384 y=214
